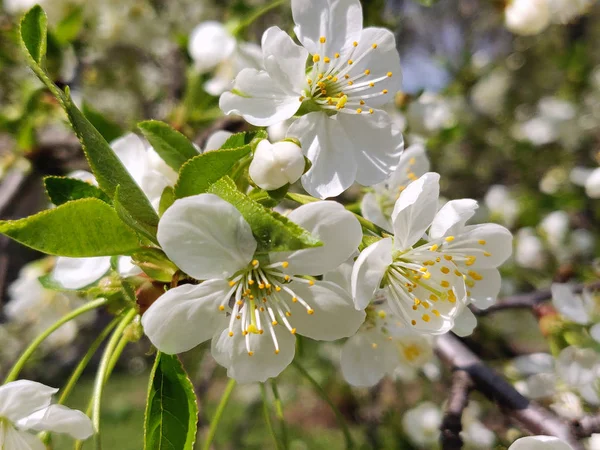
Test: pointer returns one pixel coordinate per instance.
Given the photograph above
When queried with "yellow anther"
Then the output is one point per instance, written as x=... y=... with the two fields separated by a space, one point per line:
x=451 y=296
x=316 y=58
x=415 y=307
x=445 y=270
x=327 y=60
x=449 y=239
x=423 y=269
x=337 y=55
x=261 y=286
x=350 y=62
x=434 y=247
x=252 y=329
x=371 y=84
x=470 y=260
x=309 y=81
x=322 y=39
x=426 y=318
x=374 y=345
x=334 y=79
x=413 y=322
x=221 y=308
x=427 y=275
x=374 y=45
x=288 y=314
x=389 y=74
x=385 y=91
x=468 y=293
x=293 y=331
x=470 y=283
x=448 y=257
x=481 y=241
x=294 y=299
x=250 y=282
x=231 y=283
x=382 y=314
x=433 y=298
x=367 y=72
x=355 y=44
x=274 y=323
x=487 y=254
x=425 y=305
x=268 y=285
x=341 y=102
x=286 y=277
x=238 y=317
x=240 y=303
x=277 y=288
x=411 y=175
x=350 y=83
x=311 y=283
x=301 y=98
x=445 y=284
x=346 y=76
x=244 y=333
x=358 y=110
x=310 y=311
x=320 y=76
x=362 y=102
x=250 y=353
x=371 y=111
x=436 y=312
x=262 y=309
x=277 y=351
x=231 y=334
x=458 y=273
x=417 y=301
x=475 y=275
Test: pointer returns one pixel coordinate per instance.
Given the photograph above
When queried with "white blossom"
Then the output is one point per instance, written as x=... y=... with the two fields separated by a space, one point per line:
x=540 y=443
x=529 y=250
x=25 y=408
x=527 y=17
x=502 y=205
x=275 y=165
x=352 y=72
x=422 y=424
x=430 y=278
x=251 y=306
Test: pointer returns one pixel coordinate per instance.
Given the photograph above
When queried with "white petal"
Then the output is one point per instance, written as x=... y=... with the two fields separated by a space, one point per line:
x=13 y=439
x=59 y=419
x=83 y=175
x=334 y=314
x=341 y=275
x=368 y=271
x=186 y=316
x=77 y=273
x=126 y=267
x=464 y=323
x=592 y=184
x=539 y=443
x=284 y=61
x=568 y=304
x=577 y=366
x=415 y=209
x=209 y=44
x=367 y=357
x=498 y=244
x=216 y=140
x=413 y=163
x=371 y=210
x=595 y=332
x=452 y=217
x=333 y=225
x=533 y=363
x=338 y=21
x=540 y=385
x=377 y=145
x=131 y=150
x=231 y=352
x=20 y=398
x=262 y=103
x=484 y=292
x=206 y=237
x=326 y=145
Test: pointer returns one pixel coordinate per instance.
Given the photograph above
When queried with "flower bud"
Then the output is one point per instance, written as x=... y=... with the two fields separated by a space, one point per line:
x=527 y=17
x=275 y=165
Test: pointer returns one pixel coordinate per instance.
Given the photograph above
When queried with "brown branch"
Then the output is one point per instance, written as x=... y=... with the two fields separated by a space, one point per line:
x=457 y=402
x=519 y=409
x=529 y=300
x=586 y=426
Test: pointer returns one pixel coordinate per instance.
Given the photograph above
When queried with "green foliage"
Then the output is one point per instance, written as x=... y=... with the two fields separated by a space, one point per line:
x=172 y=146
x=106 y=166
x=80 y=228
x=166 y=200
x=240 y=139
x=273 y=232
x=69 y=27
x=130 y=216
x=171 y=410
x=62 y=190
x=106 y=127
x=155 y=264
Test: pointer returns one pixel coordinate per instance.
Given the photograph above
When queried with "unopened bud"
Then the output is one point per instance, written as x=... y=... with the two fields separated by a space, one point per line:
x=275 y=165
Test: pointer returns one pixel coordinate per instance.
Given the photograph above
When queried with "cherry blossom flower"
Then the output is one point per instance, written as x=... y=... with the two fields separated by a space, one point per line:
x=352 y=71
x=25 y=408
x=540 y=443
x=422 y=424
x=430 y=278
x=275 y=165
x=527 y=17
x=251 y=305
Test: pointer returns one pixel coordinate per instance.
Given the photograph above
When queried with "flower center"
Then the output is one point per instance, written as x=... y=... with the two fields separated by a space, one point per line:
x=340 y=83
x=260 y=299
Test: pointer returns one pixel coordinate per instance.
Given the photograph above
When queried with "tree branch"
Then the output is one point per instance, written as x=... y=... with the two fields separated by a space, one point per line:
x=586 y=426
x=519 y=409
x=457 y=402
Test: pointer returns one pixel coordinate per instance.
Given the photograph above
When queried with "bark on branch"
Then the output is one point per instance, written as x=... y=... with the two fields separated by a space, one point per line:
x=457 y=402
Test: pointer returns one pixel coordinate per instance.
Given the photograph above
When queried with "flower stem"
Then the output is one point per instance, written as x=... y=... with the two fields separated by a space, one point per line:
x=366 y=224
x=104 y=370
x=14 y=373
x=279 y=413
x=267 y=415
x=250 y=20
x=214 y=423
x=323 y=395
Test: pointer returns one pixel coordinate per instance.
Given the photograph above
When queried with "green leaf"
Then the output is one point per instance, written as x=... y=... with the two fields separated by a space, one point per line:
x=167 y=198
x=172 y=146
x=129 y=215
x=171 y=410
x=81 y=228
x=105 y=164
x=106 y=127
x=62 y=190
x=196 y=176
x=34 y=33
x=245 y=138
x=273 y=232
x=155 y=264
x=68 y=28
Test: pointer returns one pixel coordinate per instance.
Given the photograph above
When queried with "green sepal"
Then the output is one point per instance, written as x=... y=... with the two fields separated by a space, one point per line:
x=61 y=190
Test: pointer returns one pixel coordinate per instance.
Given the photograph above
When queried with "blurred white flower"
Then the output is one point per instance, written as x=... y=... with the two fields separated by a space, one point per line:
x=527 y=17
x=213 y=47
x=489 y=94
x=352 y=72
x=555 y=227
x=539 y=443
x=251 y=308
x=431 y=113
x=275 y=165
x=216 y=140
x=564 y=11
x=579 y=308
x=529 y=250
x=16 y=7
x=422 y=424
x=502 y=205
x=592 y=184
x=25 y=408
x=475 y=435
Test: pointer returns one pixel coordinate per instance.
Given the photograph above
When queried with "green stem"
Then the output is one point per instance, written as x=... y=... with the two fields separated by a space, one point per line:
x=85 y=360
x=279 y=413
x=116 y=355
x=250 y=20
x=323 y=395
x=267 y=415
x=14 y=373
x=366 y=224
x=104 y=372
x=214 y=423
